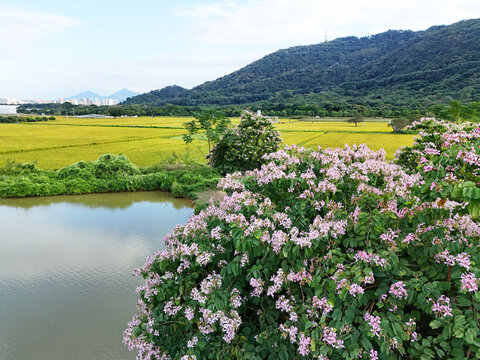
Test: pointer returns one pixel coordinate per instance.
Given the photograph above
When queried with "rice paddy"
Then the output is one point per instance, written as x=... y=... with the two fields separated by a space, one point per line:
x=146 y=141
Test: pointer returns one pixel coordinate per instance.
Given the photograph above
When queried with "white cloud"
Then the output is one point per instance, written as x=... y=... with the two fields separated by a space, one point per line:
x=20 y=28
x=289 y=22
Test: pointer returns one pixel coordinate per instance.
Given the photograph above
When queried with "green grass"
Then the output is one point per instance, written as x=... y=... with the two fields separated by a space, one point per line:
x=146 y=141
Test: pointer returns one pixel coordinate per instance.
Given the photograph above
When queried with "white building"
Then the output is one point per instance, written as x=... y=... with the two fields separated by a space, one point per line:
x=8 y=109
x=109 y=102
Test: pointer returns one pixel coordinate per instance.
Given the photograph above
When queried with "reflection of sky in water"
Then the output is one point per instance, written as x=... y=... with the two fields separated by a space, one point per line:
x=66 y=289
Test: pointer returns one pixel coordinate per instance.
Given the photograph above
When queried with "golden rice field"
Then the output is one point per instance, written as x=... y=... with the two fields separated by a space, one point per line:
x=147 y=140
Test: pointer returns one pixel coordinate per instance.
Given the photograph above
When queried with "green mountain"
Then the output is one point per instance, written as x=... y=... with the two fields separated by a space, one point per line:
x=394 y=67
x=163 y=95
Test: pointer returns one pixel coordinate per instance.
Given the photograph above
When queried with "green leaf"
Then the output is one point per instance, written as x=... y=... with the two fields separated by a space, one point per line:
x=470 y=336
x=367 y=345
x=435 y=324
x=474 y=208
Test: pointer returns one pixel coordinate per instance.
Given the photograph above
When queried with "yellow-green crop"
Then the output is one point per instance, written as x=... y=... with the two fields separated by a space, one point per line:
x=147 y=140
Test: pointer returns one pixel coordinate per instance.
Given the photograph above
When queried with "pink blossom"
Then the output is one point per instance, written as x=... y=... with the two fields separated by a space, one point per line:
x=442 y=307
x=374 y=323
x=469 y=282
x=355 y=289
x=398 y=290
x=303 y=345
x=330 y=338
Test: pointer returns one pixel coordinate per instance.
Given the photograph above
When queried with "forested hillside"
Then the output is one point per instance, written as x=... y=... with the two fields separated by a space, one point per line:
x=401 y=68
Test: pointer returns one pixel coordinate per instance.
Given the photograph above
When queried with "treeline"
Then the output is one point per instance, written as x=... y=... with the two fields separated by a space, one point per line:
x=452 y=111
x=12 y=119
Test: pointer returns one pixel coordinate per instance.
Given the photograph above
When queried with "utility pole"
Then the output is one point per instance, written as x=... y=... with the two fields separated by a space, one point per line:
x=326 y=40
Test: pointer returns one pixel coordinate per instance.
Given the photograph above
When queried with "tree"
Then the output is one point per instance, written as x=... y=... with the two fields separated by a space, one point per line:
x=242 y=147
x=399 y=123
x=356 y=118
x=455 y=109
x=209 y=125
x=115 y=111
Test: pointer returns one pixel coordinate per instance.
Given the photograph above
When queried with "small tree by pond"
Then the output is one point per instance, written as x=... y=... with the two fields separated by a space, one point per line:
x=242 y=147
x=209 y=125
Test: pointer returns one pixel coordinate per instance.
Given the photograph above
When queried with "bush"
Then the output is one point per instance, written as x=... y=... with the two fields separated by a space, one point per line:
x=326 y=254
x=449 y=161
x=242 y=147
x=119 y=165
x=399 y=124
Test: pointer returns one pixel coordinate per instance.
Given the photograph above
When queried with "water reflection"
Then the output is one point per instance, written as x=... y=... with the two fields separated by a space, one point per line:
x=66 y=290
x=107 y=200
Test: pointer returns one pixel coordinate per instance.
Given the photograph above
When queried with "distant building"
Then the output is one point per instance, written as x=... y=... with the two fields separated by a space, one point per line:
x=109 y=102
x=93 y=116
x=72 y=101
x=8 y=109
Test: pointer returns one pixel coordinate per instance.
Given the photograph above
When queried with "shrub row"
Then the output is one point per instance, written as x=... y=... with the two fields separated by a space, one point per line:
x=110 y=173
x=10 y=119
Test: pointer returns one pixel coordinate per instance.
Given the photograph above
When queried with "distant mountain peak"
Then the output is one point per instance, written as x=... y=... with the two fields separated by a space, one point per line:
x=85 y=95
x=120 y=95
x=123 y=94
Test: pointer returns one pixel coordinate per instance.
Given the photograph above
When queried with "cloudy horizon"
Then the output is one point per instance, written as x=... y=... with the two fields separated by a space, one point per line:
x=52 y=49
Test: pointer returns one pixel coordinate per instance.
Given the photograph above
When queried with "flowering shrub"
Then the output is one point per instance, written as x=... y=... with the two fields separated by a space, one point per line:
x=438 y=126
x=316 y=255
x=449 y=162
x=242 y=147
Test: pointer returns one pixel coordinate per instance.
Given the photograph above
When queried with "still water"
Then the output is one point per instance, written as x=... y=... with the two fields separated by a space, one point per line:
x=66 y=262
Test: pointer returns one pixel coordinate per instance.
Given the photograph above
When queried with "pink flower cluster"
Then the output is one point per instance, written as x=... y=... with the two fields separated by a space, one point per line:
x=304 y=345
x=462 y=259
x=398 y=290
x=469 y=282
x=374 y=323
x=370 y=258
x=441 y=307
x=330 y=338
x=322 y=304
x=390 y=236
x=257 y=285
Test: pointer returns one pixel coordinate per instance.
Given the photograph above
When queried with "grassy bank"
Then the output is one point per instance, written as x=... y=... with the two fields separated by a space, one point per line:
x=109 y=173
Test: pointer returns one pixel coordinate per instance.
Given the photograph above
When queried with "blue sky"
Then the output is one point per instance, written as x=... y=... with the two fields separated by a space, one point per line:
x=52 y=48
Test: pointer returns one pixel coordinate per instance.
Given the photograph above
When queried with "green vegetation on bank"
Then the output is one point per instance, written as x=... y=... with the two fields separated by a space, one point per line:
x=12 y=119
x=109 y=173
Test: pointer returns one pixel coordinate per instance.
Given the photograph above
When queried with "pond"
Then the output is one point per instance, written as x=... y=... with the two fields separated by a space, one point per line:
x=66 y=263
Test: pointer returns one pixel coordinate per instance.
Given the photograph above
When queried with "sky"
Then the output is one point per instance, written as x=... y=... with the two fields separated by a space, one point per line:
x=53 y=48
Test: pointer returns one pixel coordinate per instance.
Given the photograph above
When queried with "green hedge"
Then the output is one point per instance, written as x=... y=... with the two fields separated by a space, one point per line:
x=109 y=173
